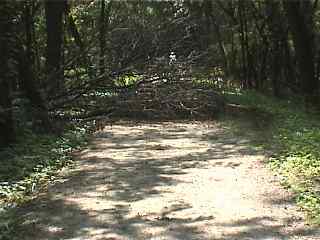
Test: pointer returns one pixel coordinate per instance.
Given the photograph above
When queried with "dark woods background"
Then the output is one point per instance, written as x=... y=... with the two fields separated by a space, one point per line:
x=54 y=54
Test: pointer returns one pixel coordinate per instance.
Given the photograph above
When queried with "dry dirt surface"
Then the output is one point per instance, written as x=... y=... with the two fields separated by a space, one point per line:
x=169 y=180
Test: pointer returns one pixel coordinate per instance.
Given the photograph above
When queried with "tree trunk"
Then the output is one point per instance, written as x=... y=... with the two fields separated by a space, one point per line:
x=26 y=71
x=208 y=11
x=54 y=27
x=244 y=59
x=250 y=68
x=102 y=36
x=277 y=32
x=7 y=71
x=301 y=22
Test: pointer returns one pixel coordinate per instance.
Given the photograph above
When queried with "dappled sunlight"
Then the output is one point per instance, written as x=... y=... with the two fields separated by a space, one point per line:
x=163 y=181
x=159 y=119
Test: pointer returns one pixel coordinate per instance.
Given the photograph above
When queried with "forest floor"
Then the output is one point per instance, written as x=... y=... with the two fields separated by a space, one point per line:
x=169 y=180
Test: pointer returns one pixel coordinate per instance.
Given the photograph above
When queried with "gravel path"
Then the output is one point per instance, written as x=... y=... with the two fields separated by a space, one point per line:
x=166 y=181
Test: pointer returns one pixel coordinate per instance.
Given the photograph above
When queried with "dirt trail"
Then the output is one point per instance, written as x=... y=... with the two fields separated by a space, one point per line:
x=166 y=181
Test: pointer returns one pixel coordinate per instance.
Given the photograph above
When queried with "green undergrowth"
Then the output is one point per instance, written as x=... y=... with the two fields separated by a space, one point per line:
x=28 y=166
x=294 y=138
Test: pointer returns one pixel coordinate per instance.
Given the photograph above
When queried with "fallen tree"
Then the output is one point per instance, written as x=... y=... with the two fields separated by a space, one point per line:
x=168 y=100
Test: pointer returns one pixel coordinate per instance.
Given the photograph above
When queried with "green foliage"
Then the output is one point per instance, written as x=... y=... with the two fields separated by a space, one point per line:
x=127 y=80
x=210 y=78
x=34 y=160
x=297 y=137
x=30 y=165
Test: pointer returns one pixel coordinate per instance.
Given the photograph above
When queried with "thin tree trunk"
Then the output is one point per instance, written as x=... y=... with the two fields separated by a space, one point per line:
x=217 y=31
x=250 y=68
x=102 y=36
x=244 y=79
x=7 y=73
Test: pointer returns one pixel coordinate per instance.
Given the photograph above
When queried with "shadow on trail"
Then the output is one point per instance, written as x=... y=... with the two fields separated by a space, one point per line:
x=259 y=228
x=46 y=224
x=121 y=168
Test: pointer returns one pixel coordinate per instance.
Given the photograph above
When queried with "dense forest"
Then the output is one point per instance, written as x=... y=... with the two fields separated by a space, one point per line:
x=69 y=67
x=55 y=52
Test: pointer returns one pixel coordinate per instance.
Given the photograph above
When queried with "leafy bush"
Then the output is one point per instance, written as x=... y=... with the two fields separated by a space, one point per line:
x=29 y=165
x=34 y=160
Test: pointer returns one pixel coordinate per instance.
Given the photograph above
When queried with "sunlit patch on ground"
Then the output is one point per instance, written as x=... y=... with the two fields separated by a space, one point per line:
x=166 y=181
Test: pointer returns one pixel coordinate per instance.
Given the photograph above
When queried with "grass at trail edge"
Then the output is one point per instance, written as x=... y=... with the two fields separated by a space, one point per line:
x=295 y=140
x=29 y=166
